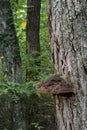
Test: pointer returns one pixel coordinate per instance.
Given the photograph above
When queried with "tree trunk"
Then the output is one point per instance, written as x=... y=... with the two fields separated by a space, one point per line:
x=32 y=37
x=33 y=53
x=68 y=36
x=11 y=67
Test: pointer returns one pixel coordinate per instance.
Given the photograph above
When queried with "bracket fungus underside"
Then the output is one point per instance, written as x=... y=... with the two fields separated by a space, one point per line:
x=56 y=85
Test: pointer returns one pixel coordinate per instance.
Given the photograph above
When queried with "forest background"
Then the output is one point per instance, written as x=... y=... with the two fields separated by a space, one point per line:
x=37 y=110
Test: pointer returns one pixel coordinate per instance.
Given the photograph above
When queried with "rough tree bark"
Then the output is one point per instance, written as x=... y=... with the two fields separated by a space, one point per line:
x=68 y=36
x=11 y=113
x=32 y=36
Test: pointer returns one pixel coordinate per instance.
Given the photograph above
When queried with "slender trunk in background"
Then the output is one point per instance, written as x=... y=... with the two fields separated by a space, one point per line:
x=68 y=36
x=33 y=53
x=11 y=113
x=32 y=37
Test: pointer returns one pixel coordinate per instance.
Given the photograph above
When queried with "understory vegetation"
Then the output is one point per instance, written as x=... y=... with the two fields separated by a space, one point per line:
x=39 y=108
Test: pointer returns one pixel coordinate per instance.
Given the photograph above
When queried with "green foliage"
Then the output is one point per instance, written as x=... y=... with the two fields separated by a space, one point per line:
x=17 y=90
x=45 y=69
x=39 y=107
x=37 y=126
x=46 y=65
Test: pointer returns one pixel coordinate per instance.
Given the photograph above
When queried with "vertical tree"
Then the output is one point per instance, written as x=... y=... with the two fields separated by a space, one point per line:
x=32 y=52
x=11 y=68
x=68 y=36
x=35 y=104
x=32 y=36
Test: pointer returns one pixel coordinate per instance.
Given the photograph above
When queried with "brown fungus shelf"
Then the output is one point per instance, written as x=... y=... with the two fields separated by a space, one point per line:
x=56 y=85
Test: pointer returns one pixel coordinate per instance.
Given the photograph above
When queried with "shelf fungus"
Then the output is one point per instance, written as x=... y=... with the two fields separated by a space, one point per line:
x=56 y=85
